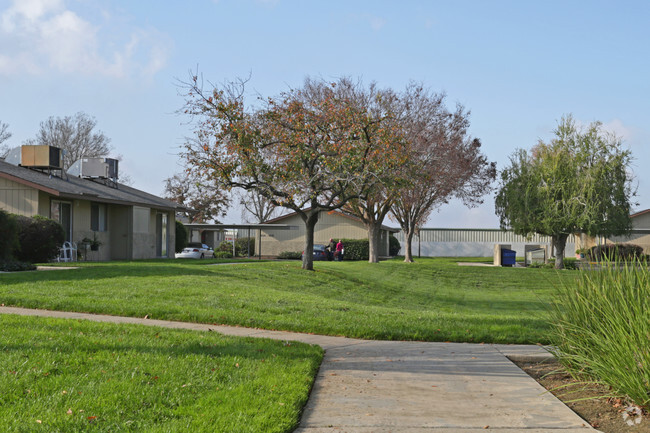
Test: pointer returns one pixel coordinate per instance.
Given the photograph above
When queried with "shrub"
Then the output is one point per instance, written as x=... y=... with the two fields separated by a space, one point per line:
x=614 y=252
x=290 y=255
x=15 y=266
x=39 y=239
x=356 y=249
x=570 y=263
x=241 y=246
x=181 y=237
x=8 y=235
x=223 y=254
x=393 y=246
x=600 y=328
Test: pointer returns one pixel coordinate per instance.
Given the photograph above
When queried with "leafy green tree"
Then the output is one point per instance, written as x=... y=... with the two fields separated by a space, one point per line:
x=579 y=182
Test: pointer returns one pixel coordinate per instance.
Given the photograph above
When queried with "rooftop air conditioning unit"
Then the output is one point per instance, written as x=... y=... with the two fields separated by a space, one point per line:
x=90 y=168
x=41 y=156
x=112 y=167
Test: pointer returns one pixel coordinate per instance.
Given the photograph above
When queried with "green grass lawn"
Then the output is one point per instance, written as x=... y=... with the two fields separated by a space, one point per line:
x=432 y=299
x=78 y=376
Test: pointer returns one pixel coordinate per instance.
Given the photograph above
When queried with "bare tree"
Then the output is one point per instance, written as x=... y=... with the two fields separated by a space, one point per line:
x=74 y=134
x=257 y=206
x=204 y=202
x=4 y=136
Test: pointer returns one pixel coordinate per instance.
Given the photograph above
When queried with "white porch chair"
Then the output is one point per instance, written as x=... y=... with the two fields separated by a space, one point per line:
x=68 y=252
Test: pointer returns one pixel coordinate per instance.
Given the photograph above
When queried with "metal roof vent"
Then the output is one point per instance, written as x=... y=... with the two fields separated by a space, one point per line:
x=41 y=156
x=105 y=169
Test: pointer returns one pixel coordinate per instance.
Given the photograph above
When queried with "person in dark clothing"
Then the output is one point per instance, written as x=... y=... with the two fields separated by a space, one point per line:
x=331 y=247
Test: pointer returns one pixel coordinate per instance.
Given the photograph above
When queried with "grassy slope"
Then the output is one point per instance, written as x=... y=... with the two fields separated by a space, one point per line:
x=432 y=299
x=74 y=376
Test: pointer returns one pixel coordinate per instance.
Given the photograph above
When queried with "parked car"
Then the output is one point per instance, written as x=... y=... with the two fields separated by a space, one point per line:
x=320 y=252
x=196 y=250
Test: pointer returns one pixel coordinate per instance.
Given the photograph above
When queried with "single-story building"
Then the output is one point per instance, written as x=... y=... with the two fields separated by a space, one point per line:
x=640 y=234
x=129 y=223
x=331 y=224
x=436 y=242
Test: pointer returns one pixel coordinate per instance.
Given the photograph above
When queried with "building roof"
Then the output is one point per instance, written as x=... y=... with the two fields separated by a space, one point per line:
x=643 y=212
x=76 y=188
x=337 y=212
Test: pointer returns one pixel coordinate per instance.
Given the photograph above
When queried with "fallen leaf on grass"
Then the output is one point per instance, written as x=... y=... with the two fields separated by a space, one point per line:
x=39 y=421
x=69 y=412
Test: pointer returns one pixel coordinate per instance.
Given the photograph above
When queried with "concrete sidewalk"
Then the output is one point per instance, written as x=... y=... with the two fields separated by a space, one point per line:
x=385 y=386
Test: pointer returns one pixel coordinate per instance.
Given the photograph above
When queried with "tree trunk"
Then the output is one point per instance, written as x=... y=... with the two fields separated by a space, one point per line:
x=374 y=230
x=408 y=256
x=308 y=256
x=560 y=244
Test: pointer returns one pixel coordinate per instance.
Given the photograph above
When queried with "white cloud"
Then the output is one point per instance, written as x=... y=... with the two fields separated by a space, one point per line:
x=622 y=131
x=376 y=23
x=43 y=36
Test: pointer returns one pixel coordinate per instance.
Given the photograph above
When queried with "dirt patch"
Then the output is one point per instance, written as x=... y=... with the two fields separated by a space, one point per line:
x=601 y=412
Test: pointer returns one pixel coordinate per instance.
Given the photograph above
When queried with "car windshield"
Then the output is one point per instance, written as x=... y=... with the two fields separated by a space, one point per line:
x=319 y=247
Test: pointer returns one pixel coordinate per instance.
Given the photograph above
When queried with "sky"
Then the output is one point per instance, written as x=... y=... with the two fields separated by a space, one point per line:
x=518 y=66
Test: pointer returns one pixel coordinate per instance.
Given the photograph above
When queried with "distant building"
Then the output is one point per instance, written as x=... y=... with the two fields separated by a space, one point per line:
x=331 y=224
x=474 y=242
x=640 y=234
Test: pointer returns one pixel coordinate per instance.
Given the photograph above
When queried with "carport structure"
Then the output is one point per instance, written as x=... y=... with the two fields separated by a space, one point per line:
x=213 y=234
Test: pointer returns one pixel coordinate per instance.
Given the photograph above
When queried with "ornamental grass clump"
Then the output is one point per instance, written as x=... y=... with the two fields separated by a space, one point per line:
x=601 y=329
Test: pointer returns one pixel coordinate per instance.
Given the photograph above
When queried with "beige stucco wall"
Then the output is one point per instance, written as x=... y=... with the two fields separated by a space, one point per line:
x=329 y=225
x=640 y=235
x=18 y=199
x=145 y=232
x=641 y=221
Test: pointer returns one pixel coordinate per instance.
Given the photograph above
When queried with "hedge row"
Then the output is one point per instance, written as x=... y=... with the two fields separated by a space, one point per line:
x=355 y=249
x=614 y=252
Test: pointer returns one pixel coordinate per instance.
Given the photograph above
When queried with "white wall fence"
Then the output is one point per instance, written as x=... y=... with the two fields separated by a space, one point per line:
x=473 y=242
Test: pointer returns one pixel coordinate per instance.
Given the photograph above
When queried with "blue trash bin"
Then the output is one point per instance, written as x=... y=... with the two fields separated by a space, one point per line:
x=508 y=257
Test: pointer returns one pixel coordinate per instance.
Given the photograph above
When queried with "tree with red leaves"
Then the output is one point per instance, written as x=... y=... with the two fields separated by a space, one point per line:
x=444 y=163
x=309 y=149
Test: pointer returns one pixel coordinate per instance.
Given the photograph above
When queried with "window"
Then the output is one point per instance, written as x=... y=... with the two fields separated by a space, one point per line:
x=98 y=217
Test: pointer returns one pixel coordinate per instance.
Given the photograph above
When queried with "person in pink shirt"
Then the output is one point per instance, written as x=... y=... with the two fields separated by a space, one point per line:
x=339 y=251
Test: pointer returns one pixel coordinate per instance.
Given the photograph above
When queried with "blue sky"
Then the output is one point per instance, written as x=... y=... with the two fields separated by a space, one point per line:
x=517 y=65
